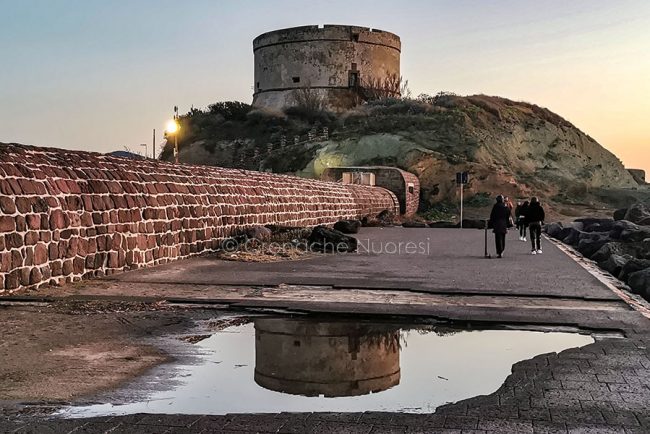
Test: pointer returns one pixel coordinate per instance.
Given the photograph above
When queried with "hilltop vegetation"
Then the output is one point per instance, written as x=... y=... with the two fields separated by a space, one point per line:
x=509 y=147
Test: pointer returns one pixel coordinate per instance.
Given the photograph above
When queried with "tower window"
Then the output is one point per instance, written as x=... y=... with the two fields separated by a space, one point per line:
x=296 y=79
x=258 y=84
x=355 y=37
x=353 y=79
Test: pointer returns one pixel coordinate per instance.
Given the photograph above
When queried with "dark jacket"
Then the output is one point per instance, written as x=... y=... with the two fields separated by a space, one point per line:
x=535 y=213
x=500 y=218
x=523 y=211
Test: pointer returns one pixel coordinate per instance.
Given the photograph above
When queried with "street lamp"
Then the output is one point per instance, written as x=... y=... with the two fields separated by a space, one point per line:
x=173 y=128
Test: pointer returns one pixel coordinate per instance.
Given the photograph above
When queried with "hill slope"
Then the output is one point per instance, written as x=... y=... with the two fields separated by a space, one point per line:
x=509 y=147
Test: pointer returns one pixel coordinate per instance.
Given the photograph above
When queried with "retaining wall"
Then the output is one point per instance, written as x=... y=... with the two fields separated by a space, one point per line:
x=67 y=215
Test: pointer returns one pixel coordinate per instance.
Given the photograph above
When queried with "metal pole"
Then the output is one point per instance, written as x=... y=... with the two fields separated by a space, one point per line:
x=486 y=255
x=176 y=146
x=176 y=134
x=154 y=144
x=462 y=187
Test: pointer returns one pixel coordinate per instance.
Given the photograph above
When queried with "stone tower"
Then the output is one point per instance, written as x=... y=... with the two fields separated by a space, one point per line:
x=340 y=65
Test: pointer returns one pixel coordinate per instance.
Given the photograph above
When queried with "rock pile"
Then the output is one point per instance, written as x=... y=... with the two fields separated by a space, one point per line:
x=620 y=245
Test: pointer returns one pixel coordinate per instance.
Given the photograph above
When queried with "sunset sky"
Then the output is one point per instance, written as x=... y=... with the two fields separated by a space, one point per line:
x=100 y=75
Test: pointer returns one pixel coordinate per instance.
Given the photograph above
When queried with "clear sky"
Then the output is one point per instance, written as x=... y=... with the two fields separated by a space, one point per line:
x=101 y=74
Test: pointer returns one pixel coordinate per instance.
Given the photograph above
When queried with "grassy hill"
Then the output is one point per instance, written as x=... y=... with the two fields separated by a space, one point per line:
x=509 y=147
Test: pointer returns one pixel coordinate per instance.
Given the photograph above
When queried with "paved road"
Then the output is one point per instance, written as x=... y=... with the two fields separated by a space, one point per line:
x=602 y=387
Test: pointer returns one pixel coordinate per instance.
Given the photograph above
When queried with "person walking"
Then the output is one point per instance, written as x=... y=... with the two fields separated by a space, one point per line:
x=521 y=220
x=535 y=217
x=500 y=220
x=508 y=203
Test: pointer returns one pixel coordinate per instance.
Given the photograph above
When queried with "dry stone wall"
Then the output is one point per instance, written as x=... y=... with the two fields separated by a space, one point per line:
x=67 y=215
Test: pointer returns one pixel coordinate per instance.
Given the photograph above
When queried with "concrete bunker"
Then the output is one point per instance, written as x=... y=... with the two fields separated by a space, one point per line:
x=405 y=185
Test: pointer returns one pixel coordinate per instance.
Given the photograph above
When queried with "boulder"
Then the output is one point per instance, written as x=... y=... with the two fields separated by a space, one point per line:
x=414 y=224
x=443 y=225
x=323 y=239
x=619 y=214
x=611 y=248
x=473 y=224
x=638 y=213
x=615 y=263
x=639 y=282
x=627 y=231
x=591 y=224
x=570 y=236
x=259 y=233
x=632 y=266
x=348 y=226
x=553 y=230
x=643 y=249
x=589 y=246
x=386 y=217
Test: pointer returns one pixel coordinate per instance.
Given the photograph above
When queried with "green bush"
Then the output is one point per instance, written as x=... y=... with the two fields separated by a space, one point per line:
x=479 y=200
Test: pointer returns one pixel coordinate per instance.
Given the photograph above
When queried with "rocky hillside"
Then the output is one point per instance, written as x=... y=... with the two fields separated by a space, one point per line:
x=509 y=147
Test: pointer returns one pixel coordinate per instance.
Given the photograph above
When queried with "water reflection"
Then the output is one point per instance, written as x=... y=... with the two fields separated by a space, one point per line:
x=331 y=359
x=281 y=364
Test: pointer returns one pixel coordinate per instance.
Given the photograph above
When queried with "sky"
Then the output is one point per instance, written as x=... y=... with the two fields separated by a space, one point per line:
x=99 y=75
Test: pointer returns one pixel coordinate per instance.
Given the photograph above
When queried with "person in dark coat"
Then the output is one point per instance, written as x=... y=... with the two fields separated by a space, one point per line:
x=521 y=220
x=535 y=217
x=500 y=221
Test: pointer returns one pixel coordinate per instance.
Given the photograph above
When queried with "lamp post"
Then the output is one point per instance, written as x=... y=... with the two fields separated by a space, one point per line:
x=172 y=128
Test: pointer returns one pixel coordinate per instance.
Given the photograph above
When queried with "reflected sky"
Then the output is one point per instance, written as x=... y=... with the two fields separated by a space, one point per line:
x=434 y=369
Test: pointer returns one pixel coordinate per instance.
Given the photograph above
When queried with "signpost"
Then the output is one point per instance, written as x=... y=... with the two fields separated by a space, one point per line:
x=462 y=178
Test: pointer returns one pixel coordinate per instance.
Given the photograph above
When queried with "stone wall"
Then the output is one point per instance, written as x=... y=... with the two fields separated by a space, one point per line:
x=68 y=215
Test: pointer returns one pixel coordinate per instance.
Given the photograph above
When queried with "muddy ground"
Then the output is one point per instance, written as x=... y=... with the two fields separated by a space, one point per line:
x=63 y=351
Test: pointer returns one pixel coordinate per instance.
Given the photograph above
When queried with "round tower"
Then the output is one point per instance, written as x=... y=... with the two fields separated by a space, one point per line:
x=336 y=65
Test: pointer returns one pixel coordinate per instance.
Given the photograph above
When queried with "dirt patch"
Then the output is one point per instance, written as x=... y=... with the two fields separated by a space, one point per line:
x=63 y=351
x=267 y=255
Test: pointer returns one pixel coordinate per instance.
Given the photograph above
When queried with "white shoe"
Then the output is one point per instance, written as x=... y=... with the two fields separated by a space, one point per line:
x=539 y=251
x=521 y=238
x=524 y=239
x=534 y=252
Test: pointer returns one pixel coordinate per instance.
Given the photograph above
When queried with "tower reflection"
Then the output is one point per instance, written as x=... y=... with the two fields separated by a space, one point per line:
x=332 y=359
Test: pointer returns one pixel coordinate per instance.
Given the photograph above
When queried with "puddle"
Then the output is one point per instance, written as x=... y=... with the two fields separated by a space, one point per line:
x=278 y=364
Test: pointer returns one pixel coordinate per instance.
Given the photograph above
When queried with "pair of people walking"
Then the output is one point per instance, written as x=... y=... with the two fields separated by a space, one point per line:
x=531 y=217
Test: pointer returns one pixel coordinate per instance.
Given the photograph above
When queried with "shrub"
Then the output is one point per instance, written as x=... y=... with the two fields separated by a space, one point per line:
x=231 y=110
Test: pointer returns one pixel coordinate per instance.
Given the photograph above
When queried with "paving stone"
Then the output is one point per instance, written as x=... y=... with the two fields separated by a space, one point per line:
x=260 y=422
x=585 y=416
x=461 y=422
x=168 y=420
x=327 y=427
x=506 y=425
x=546 y=427
x=430 y=420
x=593 y=429
x=425 y=430
x=621 y=417
x=214 y=423
x=535 y=414
x=388 y=429
x=49 y=427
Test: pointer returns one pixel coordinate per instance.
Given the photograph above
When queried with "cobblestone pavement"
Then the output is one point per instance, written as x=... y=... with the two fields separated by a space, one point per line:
x=603 y=387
